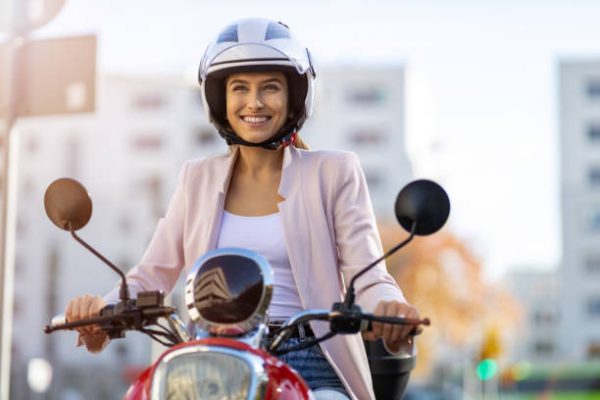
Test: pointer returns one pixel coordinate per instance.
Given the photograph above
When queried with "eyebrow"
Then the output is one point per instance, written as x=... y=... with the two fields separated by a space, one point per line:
x=262 y=82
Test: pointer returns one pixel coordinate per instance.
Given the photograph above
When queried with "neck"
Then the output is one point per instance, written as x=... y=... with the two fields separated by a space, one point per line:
x=257 y=161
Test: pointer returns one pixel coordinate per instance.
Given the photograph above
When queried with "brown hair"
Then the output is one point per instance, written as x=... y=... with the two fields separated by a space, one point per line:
x=300 y=144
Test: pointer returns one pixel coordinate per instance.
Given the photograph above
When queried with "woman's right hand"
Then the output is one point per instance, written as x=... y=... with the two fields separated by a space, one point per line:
x=84 y=307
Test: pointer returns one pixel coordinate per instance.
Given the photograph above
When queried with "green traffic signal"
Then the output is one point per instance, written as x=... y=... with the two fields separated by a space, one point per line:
x=486 y=369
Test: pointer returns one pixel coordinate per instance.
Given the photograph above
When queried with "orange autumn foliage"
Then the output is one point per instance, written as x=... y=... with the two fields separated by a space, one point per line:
x=443 y=278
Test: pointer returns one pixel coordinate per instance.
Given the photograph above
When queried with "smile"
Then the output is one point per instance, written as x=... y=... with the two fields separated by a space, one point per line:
x=255 y=119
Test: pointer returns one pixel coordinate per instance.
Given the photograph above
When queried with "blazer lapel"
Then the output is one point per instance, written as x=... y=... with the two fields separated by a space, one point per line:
x=294 y=219
x=218 y=202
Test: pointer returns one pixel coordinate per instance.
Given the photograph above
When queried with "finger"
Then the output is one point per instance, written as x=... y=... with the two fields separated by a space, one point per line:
x=369 y=336
x=76 y=304
x=69 y=311
x=377 y=326
x=410 y=312
x=96 y=306
x=397 y=330
x=73 y=311
x=83 y=313
x=390 y=310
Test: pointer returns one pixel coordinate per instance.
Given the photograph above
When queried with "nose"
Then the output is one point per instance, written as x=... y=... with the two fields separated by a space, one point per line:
x=255 y=102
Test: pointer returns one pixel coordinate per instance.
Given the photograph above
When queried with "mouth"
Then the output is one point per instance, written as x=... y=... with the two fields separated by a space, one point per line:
x=255 y=120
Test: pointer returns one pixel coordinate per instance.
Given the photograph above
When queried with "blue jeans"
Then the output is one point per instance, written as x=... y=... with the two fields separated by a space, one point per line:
x=312 y=365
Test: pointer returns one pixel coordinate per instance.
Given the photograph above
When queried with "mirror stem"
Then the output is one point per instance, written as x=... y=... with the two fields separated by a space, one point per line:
x=124 y=293
x=349 y=300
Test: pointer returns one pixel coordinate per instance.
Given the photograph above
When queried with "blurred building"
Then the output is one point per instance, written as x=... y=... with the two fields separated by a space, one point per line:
x=128 y=155
x=580 y=193
x=362 y=109
x=538 y=294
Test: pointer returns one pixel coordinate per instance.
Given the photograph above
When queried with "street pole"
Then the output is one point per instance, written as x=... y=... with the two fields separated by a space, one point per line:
x=6 y=262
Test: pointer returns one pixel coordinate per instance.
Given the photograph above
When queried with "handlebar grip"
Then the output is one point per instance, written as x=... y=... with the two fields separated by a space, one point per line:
x=367 y=323
x=59 y=322
x=59 y=319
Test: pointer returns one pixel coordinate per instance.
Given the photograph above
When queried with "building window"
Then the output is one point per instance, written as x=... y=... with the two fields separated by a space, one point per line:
x=543 y=347
x=592 y=263
x=593 y=89
x=374 y=179
x=147 y=141
x=366 y=96
x=593 y=307
x=206 y=136
x=125 y=224
x=73 y=150
x=196 y=100
x=149 y=101
x=544 y=317
x=593 y=220
x=154 y=185
x=27 y=187
x=594 y=176
x=367 y=136
x=594 y=350
x=594 y=133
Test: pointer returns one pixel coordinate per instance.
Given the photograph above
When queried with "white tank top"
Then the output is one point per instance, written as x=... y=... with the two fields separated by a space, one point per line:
x=264 y=235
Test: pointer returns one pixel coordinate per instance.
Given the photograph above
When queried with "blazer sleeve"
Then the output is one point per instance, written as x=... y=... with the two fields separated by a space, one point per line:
x=163 y=260
x=357 y=238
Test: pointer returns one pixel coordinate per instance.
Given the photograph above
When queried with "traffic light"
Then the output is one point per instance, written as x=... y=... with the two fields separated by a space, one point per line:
x=491 y=348
x=486 y=369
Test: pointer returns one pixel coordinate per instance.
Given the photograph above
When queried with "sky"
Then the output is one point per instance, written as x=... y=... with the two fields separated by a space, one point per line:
x=482 y=89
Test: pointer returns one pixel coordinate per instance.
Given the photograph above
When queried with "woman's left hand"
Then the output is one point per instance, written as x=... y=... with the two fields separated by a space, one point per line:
x=393 y=335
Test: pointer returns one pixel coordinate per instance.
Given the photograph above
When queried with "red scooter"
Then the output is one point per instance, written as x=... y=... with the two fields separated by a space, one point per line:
x=229 y=353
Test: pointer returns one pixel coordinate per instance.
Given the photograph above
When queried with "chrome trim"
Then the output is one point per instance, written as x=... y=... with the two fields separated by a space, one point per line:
x=258 y=376
x=178 y=327
x=260 y=314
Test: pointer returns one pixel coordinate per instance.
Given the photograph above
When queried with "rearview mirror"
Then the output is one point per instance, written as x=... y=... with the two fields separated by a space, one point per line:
x=424 y=202
x=67 y=202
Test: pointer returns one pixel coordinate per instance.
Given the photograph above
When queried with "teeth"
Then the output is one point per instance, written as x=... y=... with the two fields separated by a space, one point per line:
x=254 y=120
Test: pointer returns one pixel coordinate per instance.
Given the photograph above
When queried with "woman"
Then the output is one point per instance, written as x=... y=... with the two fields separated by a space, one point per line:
x=307 y=212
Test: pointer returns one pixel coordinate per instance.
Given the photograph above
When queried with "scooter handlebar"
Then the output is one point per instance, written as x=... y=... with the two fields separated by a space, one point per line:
x=113 y=318
x=368 y=319
x=59 y=322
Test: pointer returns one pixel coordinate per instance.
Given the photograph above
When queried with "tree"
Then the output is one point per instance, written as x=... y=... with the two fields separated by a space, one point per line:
x=442 y=277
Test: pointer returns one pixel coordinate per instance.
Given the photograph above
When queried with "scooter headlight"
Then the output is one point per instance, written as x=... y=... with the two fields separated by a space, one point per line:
x=211 y=375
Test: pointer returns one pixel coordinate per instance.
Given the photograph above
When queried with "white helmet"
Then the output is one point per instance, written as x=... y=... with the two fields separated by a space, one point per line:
x=257 y=44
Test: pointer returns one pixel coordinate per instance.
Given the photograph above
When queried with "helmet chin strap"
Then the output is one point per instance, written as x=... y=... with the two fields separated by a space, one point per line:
x=286 y=138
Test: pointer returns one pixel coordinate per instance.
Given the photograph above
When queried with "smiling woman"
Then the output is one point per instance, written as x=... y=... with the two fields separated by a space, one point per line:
x=257 y=104
x=307 y=212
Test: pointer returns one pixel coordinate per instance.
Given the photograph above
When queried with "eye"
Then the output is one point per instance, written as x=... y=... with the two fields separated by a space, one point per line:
x=272 y=87
x=238 y=88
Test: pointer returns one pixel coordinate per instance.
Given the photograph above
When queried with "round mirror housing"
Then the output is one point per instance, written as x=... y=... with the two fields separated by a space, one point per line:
x=228 y=291
x=67 y=201
x=424 y=202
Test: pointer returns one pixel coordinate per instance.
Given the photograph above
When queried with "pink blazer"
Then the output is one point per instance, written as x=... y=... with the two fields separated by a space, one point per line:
x=329 y=228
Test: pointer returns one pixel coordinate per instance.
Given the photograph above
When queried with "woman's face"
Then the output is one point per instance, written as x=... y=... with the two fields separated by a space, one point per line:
x=257 y=104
